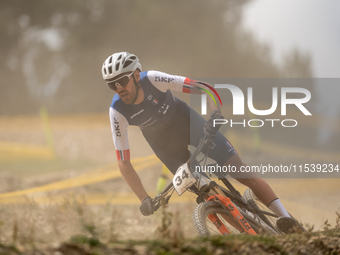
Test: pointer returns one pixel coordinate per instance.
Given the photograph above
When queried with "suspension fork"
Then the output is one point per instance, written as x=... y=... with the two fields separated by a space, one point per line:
x=231 y=207
x=234 y=212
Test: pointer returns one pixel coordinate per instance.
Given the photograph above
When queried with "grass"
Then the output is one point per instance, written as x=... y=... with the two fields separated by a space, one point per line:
x=73 y=226
x=325 y=242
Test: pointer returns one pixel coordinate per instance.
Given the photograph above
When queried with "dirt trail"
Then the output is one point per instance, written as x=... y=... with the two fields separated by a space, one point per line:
x=86 y=142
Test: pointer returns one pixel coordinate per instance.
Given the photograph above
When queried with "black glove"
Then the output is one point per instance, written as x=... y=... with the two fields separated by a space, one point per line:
x=146 y=207
x=209 y=128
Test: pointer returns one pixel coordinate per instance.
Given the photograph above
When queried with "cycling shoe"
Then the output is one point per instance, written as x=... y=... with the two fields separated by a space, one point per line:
x=288 y=225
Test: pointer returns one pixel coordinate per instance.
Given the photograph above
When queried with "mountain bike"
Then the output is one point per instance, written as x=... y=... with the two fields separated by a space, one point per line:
x=220 y=210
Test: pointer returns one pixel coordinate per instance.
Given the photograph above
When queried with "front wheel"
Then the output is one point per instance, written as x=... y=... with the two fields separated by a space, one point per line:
x=211 y=218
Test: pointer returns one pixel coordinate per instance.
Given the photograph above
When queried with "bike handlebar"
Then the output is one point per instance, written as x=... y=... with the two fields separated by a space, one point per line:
x=161 y=199
x=159 y=202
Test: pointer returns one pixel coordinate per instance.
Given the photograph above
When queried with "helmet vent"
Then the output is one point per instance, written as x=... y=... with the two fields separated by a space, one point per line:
x=127 y=63
x=119 y=64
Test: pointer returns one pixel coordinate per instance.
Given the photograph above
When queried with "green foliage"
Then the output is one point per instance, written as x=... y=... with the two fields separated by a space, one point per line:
x=82 y=239
x=166 y=220
x=170 y=228
x=9 y=250
x=326 y=225
x=337 y=220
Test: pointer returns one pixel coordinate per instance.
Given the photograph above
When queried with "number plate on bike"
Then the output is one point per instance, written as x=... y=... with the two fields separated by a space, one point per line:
x=183 y=179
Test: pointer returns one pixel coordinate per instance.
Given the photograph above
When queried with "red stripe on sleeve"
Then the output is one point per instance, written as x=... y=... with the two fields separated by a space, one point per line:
x=187 y=85
x=118 y=155
x=126 y=154
x=186 y=90
x=188 y=81
x=123 y=155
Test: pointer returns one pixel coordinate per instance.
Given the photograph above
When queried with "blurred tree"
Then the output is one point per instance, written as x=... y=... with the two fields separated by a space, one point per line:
x=297 y=65
x=51 y=52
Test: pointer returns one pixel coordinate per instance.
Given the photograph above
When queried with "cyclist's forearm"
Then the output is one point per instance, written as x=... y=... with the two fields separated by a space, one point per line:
x=212 y=106
x=132 y=179
x=198 y=88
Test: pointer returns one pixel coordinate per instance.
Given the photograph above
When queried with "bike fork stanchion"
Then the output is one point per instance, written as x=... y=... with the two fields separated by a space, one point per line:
x=218 y=224
x=234 y=212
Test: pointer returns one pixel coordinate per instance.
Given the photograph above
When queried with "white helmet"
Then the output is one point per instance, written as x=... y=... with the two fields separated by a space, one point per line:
x=119 y=63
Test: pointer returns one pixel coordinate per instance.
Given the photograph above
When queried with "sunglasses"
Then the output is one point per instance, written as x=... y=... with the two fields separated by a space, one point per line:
x=121 y=81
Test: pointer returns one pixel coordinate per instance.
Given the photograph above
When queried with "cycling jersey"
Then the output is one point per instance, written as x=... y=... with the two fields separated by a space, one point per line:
x=154 y=113
x=165 y=122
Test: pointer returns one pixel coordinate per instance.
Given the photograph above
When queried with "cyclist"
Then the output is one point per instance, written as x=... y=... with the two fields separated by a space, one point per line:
x=145 y=99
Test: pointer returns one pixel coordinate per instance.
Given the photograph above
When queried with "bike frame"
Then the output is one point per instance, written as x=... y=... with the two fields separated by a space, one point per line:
x=225 y=196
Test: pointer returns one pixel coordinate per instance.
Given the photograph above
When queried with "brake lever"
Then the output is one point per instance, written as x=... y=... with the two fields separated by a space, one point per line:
x=158 y=202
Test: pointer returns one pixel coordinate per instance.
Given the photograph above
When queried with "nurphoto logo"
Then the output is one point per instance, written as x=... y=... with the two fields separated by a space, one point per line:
x=239 y=102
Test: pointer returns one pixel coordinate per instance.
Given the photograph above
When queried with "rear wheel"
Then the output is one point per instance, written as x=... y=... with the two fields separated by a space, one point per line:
x=270 y=220
x=253 y=201
x=211 y=218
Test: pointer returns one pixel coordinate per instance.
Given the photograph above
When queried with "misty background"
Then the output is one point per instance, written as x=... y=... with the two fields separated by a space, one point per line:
x=51 y=52
x=314 y=28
